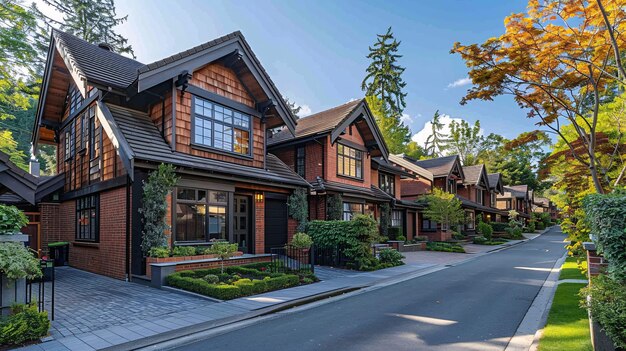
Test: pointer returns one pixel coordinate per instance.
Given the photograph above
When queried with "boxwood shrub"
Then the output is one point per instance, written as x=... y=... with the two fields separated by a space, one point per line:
x=263 y=281
x=25 y=323
x=499 y=226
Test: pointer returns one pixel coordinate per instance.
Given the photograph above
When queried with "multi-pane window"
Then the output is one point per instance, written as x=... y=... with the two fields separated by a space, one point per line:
x=452 y=186
x=387 y=183
x=349 y=162
x=200 y=214
x=470 y=220
x=75 y=99
x=480 y=196
x=70 y=134
x=396 y=218
x=300 y=161
x=87 y=218
x=428 y=225
x=351 y=209
x=493 y=199
x=220 y=127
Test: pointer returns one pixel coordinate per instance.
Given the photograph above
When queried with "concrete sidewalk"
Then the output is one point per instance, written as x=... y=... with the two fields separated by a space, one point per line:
x=147 y=331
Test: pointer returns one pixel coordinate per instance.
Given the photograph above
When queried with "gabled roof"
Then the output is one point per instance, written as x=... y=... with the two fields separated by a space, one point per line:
x=402 y=162
x=542 y=201
x=475 y=174
x=334 y=121
x=495 y=182
x=95 y=64
x=17 y=185
x=515 y=191
x=441 y=166
x=372 y=193
x=138 y=139
x=385 y=166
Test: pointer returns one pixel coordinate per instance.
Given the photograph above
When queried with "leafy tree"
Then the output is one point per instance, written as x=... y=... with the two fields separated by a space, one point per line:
x=467 y=141
x=223 y=251
x=154 y=207
x=435 y=142
x=384 y=74
x=414 y=151
x=395 y=133
x=91 y=20
x=444 y=208
x=559 y=60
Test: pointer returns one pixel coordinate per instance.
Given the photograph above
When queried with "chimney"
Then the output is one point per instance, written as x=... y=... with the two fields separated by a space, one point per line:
x=105 y=46
x=33 y=166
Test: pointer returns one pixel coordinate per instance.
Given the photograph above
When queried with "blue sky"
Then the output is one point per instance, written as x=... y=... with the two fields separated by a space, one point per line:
x=315 y=50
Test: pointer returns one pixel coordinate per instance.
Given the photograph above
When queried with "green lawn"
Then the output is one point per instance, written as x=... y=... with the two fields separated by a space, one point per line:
x=570 y=269
x=568 y=325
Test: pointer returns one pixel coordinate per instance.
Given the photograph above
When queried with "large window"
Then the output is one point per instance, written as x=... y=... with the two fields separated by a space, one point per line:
x=387 y=183
x=221 y=128
x=87 y=218
x=349 y=162
x=396 y=218
x=428 y=225
x=200 y=214
x=351 y=209
x=480 y=196
x=75 y=99
x=301 y=161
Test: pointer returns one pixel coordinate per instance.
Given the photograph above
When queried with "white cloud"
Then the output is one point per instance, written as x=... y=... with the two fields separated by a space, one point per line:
x=421 y=136
x=460 y=82
x=406 y=119
x=305 y=110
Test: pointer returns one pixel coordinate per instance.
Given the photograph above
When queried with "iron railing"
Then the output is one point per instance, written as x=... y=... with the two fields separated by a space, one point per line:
x=39 y=290
x=287 y=259
x=330 y=256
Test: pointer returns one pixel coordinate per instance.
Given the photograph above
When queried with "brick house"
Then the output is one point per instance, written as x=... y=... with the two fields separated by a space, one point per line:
x=516 y=197
x=496 y=188
x=478 y=197
x=206 y=111
x=341 y=151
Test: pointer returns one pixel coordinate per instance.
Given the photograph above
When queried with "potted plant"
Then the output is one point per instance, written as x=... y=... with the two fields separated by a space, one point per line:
x=17 y=263
x=301 y=241
x=12 y=220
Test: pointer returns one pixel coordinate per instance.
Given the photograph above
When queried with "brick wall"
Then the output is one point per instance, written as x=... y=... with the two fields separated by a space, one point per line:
x=50 y=225
x=317 y=207
x=412 y=189
x=108 y=256
x=259 y=219
x=313 y=159
x=596 y=263
x=292 y=228
x=331 y=162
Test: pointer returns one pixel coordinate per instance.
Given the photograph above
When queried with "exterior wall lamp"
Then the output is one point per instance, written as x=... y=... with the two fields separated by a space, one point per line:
x=258 y=197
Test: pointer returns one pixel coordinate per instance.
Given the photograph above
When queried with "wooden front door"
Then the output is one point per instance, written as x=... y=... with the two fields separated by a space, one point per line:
x=241 y=227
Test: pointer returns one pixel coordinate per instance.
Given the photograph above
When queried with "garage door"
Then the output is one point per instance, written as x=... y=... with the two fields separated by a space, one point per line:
x=275 y=223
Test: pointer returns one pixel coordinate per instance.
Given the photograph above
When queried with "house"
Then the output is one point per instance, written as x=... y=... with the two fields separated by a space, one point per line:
x=496 y=188
x=342 y=154
x=516 y=197
x=206 y=110
x=447 y=173
x=477 y=196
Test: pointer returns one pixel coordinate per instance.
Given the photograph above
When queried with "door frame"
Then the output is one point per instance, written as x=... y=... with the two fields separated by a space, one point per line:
x=249 y=227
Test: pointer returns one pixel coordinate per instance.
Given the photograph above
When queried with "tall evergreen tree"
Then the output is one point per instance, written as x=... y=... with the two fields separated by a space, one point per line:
x=295 y=109
x=436 y=140
x=396 y=134
x=91 y=20
x=384 y=74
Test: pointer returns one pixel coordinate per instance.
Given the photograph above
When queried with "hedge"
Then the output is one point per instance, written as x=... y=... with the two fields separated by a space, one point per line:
x=192 y=281
x=499 y=226
x=25 y=324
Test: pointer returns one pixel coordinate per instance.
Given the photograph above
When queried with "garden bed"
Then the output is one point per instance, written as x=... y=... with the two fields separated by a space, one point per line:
x=237 y=281
x=444 y=247
x=150 y=260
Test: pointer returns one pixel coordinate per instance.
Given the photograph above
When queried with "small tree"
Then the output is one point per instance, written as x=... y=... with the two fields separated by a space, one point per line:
x=154 y=208
x=334 y=207
x=223 y=250
x=444 y=208
x=298 y=206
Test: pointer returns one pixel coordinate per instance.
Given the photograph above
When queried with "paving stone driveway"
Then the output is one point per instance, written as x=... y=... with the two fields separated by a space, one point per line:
x=86 y=302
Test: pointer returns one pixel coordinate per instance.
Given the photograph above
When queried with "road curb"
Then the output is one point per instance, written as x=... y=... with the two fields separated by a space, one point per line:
x=531 y=325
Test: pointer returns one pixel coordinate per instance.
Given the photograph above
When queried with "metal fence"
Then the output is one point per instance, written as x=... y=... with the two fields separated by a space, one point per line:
x=39 y=291
x=290 y=259
x=330 y=256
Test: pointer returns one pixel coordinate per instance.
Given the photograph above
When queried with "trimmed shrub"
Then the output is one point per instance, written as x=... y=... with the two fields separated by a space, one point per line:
x=607 y=306
x=179 y=251
x=401 y=238
x=443 y=246
x=334 y=207
x=211 y=278
x=159 y=252
x=499 y=226
x=531 y=227
x=25 y=323
x=485 y=230
x=514 y=233
x=540 y=226
x=301 y=241
x=390 y=256
x=480 y=240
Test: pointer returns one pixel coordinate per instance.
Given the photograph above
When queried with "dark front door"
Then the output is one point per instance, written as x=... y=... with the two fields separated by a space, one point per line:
x=241 y=227
x=275 y=223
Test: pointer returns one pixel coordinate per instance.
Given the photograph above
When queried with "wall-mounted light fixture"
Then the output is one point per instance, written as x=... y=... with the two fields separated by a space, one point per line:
x=258 y=197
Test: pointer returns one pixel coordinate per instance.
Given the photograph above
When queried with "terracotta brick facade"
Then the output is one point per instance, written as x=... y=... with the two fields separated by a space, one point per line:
x=259 y=224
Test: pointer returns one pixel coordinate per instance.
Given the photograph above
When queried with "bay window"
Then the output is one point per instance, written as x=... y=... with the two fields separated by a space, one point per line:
x=220 y=127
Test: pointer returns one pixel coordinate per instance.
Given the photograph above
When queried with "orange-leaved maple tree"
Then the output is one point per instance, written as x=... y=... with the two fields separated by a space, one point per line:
x=560 y=60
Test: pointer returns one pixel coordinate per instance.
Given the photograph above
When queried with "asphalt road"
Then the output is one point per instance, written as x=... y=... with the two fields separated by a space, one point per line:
x=476 y=305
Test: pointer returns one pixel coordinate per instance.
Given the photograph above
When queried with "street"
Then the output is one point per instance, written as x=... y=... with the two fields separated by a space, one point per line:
x=476 y=305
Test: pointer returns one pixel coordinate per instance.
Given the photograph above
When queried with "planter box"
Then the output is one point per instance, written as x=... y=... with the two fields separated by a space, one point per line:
x=150 y=260
x=404 y=247
x=11 y=291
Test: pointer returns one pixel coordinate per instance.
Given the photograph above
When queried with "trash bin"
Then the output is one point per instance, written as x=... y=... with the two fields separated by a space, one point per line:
x=59 y=252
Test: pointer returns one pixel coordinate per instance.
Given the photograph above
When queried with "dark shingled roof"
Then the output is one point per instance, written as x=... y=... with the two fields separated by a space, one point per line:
x=440 y=166
x=146 y=144
x=97 y=64
x=372 y=193
x=388 y=167
x=493 y=179
x=318 y=123
x=472 y=173
x=466 y=203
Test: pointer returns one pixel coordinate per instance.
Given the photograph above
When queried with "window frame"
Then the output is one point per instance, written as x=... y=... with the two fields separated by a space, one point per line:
x=430 y=225
x=213 y=121
x=70 y=140
x=208 y=204
x=357 y=160
x=349 y=213
x=492 y=196
x=390 y=182
x=300 y=161
x=81 y=206
x=470 y=220
x=480 y=196
x=396 y=218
